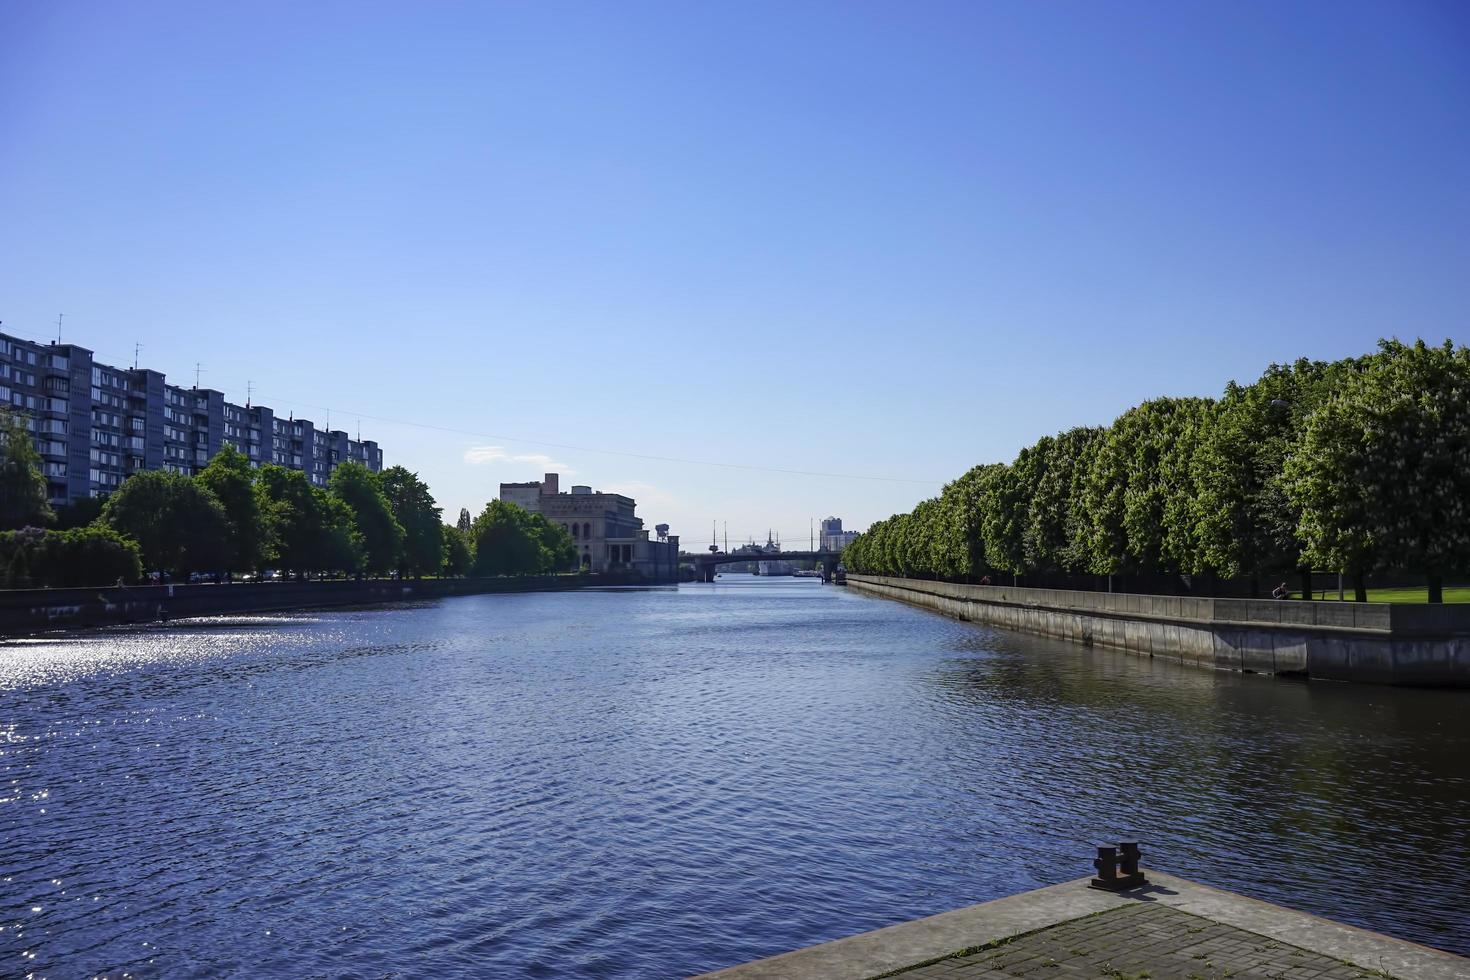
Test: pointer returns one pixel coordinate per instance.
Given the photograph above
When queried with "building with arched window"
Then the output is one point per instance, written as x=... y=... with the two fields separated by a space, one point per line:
x=608 y=533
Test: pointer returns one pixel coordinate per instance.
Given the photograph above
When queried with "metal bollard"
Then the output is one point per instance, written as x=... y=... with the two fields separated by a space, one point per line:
x=1108 y=863
x=1129 y=860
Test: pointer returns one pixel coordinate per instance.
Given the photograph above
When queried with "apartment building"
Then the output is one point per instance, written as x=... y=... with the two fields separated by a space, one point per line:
x=833 y=537
x=95 y=424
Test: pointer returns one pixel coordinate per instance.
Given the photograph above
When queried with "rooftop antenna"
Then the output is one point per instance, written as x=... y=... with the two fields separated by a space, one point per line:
x=727 y=537
x=136 y=348
x=198 y=370
x=249 y=390
x=58 y=326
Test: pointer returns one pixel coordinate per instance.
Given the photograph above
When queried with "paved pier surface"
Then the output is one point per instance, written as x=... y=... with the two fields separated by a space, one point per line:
x=1171 y=929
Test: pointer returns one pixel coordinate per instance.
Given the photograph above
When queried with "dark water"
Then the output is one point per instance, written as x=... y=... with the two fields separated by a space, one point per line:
x=653 y=783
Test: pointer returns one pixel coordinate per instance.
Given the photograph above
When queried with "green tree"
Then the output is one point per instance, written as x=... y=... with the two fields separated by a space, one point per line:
x=924 y=535
x=1184 y=429
x=464 y=521
x=1246 y=522
x=292 y=520
x=79 y=513
x=458 y=560
x=415 y=511
x=951 y=545
x=503 y=541
x=1076 y=451
x=23 y=495
x=179 y=525
x=342 y=547
x=556 y=550
x=381 y=535
x=18 y=552
x=73 y=558
x=977 y=494
x=1004 y=504
x=1129 y=485
x=1104 y=488
x=232 y=481
x=307 y=529
x=1142 y=439
x=1382 y=473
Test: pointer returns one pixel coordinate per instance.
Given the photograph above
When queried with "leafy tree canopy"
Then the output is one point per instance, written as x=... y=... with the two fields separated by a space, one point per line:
x=231 y=479
x=23 y=496
x=414 y=509
x=381 y=535
x=179 y=525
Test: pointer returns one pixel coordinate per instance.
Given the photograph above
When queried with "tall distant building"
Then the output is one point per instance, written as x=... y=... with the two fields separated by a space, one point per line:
x=95 y=424
x=833 y=537
x=608 y=535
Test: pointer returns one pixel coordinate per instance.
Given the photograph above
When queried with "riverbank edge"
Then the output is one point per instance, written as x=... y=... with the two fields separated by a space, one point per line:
x=939 y=937
x=30 y=612
x=1382 y=643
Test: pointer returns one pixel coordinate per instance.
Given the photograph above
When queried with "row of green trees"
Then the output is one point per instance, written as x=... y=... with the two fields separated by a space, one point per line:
x=232 y=517
x=1355 y=466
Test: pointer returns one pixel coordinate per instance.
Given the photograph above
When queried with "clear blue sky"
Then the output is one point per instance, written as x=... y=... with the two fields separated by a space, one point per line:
x=891 y=240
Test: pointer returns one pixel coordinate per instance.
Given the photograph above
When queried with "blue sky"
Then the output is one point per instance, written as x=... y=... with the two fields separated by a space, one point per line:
x=885 y=240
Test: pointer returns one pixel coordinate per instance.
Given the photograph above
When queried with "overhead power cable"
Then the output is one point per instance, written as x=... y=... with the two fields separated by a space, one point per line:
x=683 y=460
x=611 y=452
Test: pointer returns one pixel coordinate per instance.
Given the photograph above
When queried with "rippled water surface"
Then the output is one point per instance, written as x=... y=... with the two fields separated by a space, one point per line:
x=654 y=783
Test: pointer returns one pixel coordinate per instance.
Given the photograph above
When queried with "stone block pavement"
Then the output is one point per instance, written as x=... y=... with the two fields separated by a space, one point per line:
x=1169 y=929
x=1140 y=942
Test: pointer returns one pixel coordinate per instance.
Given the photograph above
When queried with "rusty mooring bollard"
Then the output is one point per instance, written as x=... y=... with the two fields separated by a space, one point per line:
x=1109 y=862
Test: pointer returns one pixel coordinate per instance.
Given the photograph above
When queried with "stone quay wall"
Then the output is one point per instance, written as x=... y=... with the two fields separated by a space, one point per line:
x=29 y=611
x=1386 y=643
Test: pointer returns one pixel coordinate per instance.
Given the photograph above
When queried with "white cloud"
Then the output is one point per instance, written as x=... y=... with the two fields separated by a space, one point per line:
x=488 y=455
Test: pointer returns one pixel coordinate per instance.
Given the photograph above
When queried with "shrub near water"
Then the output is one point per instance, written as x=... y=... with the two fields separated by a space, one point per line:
x=87 y=556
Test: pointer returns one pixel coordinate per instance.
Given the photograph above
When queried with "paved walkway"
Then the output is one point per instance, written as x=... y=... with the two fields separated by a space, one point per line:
x=1140 y=942
x=1170 y=929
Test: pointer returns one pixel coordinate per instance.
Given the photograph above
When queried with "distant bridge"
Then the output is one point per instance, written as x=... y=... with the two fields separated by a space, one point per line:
x=704 y=565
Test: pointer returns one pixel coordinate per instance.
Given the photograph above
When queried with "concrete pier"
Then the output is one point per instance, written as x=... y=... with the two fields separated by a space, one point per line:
x=1387 y=643
x=1169 y=929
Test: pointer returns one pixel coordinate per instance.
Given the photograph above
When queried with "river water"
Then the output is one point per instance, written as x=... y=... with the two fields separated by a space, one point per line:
x=653 y=783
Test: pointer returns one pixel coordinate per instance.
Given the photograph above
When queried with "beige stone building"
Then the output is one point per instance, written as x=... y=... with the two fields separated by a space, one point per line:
x=608 y=534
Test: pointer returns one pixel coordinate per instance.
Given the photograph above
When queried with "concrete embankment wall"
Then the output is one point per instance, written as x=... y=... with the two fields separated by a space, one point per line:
x=27 y=611
x=1388 y=643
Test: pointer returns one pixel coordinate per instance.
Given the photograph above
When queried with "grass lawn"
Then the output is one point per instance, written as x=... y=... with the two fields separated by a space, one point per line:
x=1451 y=594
